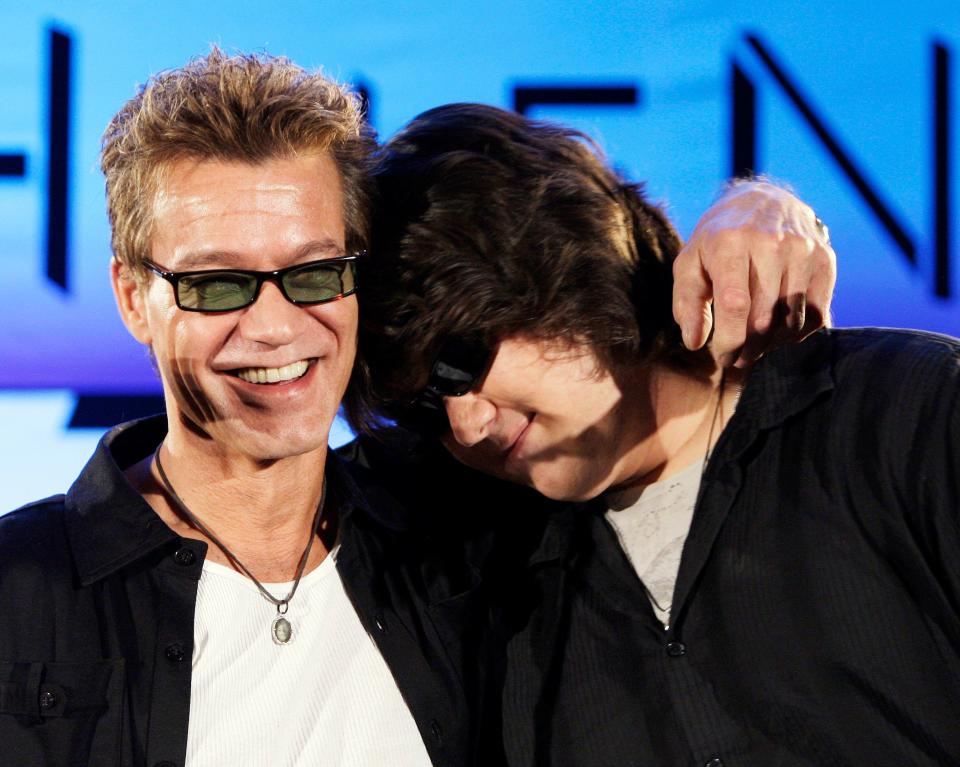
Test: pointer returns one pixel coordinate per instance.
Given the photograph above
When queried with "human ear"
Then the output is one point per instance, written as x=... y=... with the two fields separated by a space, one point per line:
x=131 y=301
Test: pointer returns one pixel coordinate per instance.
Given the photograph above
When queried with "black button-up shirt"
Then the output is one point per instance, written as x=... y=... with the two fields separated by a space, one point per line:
x=816 y=616
x=97 y=600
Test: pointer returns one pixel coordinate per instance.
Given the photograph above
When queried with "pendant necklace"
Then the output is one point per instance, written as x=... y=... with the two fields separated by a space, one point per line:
x=281 y=630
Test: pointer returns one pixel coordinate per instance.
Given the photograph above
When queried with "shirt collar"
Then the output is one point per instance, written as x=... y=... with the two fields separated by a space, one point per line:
x=783 y=383
x=111 y=526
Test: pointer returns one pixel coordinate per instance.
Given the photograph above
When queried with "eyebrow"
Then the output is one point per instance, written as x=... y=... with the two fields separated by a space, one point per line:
x=227 y=259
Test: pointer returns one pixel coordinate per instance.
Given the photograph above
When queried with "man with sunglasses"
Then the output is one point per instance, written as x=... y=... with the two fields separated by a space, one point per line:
x=743 y=566
x=215 y=588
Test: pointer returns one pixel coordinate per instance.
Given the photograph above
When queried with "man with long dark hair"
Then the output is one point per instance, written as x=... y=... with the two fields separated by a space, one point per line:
x=764 y=568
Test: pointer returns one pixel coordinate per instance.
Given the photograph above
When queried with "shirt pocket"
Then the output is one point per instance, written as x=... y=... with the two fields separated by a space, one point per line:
x=68 y=714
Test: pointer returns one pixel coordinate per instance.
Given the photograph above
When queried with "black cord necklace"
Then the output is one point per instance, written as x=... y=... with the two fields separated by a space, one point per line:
x=715 y=420
x=281 y=630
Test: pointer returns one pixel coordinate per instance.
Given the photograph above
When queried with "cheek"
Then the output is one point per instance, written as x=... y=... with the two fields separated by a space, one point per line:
x=186 y=344
x=348 y=320
x=347 y=335
x=192 y=340
x=339 y=318
x=164 y=324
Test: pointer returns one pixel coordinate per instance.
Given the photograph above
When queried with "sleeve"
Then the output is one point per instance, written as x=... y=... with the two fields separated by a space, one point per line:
x=935 y=464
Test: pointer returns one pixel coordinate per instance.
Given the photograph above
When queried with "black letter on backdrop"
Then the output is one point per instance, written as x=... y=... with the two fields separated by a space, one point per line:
x=941 y=168
x=13 y=164
x=744 y=127
x=58 y=159
x=747 y=122
x=526 y=96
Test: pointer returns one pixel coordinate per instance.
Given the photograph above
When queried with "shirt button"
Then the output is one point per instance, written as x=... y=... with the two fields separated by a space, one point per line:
x=185 y=557
x=436 y=730
x=48 y=700
x=715 y=762
x=174 y=652
x=676 y=649
x=380 y=622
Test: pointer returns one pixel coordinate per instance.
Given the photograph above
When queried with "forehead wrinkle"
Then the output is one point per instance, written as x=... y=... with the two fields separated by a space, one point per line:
x=326 y=247
x=209 y=221
x=198 y=201
x=200 y=259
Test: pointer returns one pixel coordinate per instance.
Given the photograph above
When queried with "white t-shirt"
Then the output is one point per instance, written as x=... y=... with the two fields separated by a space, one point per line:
x=652 y=530
x=325 y=698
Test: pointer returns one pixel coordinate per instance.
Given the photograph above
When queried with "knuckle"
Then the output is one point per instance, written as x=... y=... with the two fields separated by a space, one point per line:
x=725 y=239
x=734 y=301
x=766 y=239
x=795 y=245
x=761 y=323
x=825 y=258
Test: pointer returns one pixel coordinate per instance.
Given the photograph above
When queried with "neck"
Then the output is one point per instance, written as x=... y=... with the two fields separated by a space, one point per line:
x=678 y=416
x=262 y=511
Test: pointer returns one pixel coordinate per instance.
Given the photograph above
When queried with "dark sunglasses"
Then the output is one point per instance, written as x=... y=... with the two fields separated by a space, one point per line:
x=225 y=290
x=459 y=368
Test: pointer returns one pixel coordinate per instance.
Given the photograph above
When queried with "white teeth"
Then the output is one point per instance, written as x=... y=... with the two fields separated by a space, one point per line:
x=274 y=375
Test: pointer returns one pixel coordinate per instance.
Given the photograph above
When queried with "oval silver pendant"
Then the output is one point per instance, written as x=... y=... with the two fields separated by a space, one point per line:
x=281 y=630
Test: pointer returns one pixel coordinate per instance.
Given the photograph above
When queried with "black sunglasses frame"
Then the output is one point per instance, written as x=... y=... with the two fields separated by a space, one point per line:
x=276 y=277
x=459 y=367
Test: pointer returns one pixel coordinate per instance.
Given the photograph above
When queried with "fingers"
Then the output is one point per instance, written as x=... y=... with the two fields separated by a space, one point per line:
x=819 y=295
x=779 y=297
x=800 y=306
x=692 y=295
x=776 y=332
x=806 y=292
x=823 y=280
x=731 y=301
x=798 y=268
x=764 y=259
x=767 y=311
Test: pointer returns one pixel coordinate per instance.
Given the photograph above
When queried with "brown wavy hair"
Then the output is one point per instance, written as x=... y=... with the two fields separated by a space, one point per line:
x=247 y=108
x=492 y=225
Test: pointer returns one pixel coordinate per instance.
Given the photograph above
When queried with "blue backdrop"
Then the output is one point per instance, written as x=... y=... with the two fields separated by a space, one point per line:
x=848 y=102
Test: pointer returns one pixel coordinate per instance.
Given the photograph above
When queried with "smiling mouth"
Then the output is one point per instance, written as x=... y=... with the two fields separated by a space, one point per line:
x=511 y=449
x=283 y=374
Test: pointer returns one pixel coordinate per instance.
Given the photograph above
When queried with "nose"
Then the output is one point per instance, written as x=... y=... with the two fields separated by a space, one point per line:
x=470 y=418
x=271 y=319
